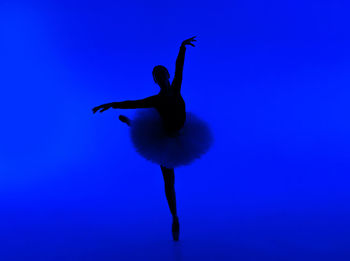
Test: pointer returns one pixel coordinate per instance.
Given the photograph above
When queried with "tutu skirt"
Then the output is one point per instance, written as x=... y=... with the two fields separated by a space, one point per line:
x=152 y=142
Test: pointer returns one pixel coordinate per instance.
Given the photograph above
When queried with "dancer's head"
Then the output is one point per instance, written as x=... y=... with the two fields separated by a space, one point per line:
x=161 y=76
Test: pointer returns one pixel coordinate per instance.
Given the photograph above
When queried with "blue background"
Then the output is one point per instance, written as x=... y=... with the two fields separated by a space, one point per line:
x=270 y=77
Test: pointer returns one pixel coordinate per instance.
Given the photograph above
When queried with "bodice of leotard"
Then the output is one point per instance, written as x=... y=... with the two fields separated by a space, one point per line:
x=171 y=108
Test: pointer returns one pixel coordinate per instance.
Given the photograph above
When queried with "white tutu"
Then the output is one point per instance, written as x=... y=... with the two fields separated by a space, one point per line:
x=152 y=142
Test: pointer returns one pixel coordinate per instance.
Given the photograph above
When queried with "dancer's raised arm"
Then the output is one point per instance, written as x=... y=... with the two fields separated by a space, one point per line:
x=143 y=103
x=180 y=60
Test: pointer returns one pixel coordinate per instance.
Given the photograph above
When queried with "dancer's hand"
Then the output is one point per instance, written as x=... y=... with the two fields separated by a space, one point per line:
x=102 y=107
x=189 y=41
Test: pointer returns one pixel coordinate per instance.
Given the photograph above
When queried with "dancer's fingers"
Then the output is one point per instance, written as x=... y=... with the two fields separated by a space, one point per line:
x=104 y=109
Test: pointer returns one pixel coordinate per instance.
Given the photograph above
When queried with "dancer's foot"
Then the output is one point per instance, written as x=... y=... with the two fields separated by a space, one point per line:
x=124 y=119
x=176 y=229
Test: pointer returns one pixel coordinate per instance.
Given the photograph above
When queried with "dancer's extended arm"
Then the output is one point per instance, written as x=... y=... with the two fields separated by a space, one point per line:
x=180 y=60
x=143 y=103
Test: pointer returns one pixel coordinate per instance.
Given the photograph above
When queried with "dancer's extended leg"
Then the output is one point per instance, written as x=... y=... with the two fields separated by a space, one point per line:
x=125 y=119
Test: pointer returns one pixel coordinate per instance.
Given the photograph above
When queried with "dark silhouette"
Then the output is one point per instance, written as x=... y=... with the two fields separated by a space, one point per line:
x=171 y=107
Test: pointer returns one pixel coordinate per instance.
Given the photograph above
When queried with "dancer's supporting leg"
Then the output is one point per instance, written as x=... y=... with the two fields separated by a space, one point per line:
x=169 y=182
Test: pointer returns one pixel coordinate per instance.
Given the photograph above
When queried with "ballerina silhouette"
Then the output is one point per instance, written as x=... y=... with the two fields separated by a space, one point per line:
x=165 y=133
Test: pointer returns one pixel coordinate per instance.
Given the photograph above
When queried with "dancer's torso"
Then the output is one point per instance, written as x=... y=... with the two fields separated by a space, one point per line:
x=171 y=108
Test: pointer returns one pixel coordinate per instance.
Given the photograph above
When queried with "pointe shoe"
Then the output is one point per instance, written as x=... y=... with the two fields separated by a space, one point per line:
x=124 y=119
x=175 y=229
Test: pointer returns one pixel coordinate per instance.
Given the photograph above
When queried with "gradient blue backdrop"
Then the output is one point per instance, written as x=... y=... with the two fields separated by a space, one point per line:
x=270 y=77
